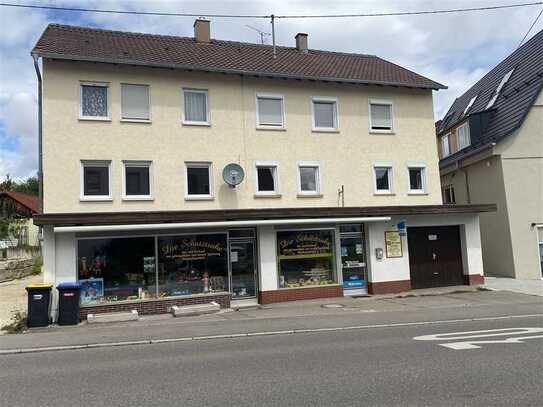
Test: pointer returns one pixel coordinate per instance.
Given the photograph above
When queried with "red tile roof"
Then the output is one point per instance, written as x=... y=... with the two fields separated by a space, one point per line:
x=90 y=44
x=31 y=202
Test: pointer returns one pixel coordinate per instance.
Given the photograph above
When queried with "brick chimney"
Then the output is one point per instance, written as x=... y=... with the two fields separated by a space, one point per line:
x=201 y=30
x=301 y=42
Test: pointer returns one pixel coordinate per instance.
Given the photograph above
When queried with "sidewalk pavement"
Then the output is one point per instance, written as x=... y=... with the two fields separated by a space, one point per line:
x=13 y=297
x=333 y=313
x=530 y=287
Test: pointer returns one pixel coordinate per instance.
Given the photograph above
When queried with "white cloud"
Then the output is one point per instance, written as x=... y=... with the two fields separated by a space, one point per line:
x=454 y=49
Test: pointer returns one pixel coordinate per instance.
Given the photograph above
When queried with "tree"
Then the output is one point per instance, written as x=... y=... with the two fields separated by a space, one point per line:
x=27 y=186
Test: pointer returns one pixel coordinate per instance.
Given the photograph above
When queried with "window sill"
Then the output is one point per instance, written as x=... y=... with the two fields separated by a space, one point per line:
x=314 y=195
x=198 y=124
x=94 y=119
x=138 y=198
x=391 y=132
x=273 y=195
x=96 y=199
x=324 y=130
x=309 y=286
x=384 y=194
x=271 y=128
x=417 y=193
x=145 y=121
x=199 y=198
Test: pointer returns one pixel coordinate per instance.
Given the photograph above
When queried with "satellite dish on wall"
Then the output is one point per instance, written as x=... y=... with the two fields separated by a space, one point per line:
x=233 y=174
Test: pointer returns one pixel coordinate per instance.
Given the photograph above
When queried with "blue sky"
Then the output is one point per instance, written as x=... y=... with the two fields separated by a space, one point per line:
x=454 y=49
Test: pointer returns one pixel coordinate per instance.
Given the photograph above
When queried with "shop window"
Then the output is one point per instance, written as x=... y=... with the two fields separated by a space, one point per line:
x=192 y=264
x=383 y=178
x=94 y=101
x=270 y=111
x=306 y=258
x=195 y=106
x=381 y=116
x=198 y=180
x=266 y=179
x=417 y=179
x=135 y=102
x=324 y=113
x=116 y=269
x=96 y=180
x=137 y=180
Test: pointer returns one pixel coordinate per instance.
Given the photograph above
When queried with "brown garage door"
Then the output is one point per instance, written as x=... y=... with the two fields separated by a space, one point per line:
x=435 y=256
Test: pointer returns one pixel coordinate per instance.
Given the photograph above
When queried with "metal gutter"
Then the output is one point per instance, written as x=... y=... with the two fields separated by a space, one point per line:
x=240 y=223
x=40 y=128
x=467 y=155
x=233 y=71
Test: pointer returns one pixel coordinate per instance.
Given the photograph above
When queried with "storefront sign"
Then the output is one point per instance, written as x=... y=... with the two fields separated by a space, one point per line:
x=393 y=244
x=193 y=247
x=304 y=244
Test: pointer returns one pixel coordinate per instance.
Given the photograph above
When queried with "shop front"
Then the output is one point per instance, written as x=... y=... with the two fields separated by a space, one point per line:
x=262 y=257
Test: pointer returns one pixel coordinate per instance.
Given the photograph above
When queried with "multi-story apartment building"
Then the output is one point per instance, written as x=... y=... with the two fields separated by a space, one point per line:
x=184 y=170
x=491 y=150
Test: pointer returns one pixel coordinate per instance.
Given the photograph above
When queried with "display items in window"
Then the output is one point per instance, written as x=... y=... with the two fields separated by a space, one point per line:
x=305 y=258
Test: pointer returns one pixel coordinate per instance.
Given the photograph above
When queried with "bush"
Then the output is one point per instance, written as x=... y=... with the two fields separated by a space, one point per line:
x=17 y=324
x=38 y=263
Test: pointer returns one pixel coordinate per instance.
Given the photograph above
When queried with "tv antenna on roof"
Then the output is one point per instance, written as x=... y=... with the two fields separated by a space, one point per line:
x=263 y=34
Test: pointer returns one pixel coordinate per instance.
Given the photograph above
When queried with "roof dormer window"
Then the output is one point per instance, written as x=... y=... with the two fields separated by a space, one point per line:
x=499 y=89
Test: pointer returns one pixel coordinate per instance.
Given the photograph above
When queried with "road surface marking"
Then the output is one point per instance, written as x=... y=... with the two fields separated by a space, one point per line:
x=462 y=345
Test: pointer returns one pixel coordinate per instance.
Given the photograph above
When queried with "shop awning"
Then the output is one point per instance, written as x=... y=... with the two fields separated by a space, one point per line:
x=64 y=222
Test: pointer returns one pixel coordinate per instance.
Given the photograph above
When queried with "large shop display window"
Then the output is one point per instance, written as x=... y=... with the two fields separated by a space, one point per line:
x=192 y=264
x=116 y=269
x=305 y=258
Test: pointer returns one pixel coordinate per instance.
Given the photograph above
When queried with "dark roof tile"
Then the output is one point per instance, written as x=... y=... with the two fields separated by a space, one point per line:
x=90 y=44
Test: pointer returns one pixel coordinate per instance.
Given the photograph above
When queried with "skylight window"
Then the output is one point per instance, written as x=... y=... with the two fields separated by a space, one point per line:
x=470 y=104
x=498 y=90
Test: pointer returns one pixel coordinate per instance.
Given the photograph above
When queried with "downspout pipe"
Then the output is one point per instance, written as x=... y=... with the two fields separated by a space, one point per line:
x=40 y=125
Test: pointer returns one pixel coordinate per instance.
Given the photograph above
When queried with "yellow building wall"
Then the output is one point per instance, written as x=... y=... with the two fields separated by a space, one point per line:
x=346 y=157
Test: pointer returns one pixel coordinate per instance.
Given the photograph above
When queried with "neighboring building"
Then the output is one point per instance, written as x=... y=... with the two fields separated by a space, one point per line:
x=19 y=208
x=491 y=150
x=338 y=152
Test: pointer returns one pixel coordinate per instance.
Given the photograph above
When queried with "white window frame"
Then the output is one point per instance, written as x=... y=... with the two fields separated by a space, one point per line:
x=446 y=191
x=184 y=120
x=138 y=163
x=390 y=166
x=135 y=120
x=94 y=163
x=199 y=197
x=422 y=167
x=377 y=101
x=276 y=183
x=466 y=126
x=99 y=84
x=539 y=243
x=496 y=93
x=325 y=99
x=441 y=140
x=470 y=104
x=275 y=96
x=312 y=164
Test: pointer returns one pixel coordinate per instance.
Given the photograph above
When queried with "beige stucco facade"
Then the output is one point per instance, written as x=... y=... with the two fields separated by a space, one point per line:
x=346 y=157
x=511 y=175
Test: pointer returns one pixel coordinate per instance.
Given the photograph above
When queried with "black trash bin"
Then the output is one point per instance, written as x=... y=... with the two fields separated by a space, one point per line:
x=39 y=301
x=68 y=303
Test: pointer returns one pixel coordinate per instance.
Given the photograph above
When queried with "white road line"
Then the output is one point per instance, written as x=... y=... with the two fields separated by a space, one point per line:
x=256 y=334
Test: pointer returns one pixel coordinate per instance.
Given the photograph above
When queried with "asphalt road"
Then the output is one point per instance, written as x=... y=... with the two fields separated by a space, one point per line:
x=370 y=367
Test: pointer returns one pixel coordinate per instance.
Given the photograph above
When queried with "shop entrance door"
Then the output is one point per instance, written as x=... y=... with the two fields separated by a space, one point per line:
x=435 y=256
x=353 y=259
x=243 y=266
